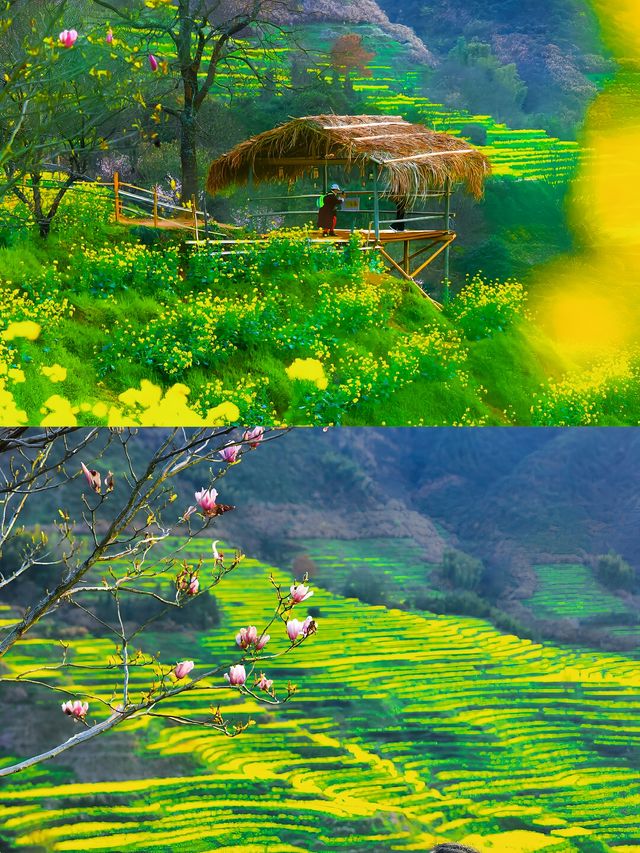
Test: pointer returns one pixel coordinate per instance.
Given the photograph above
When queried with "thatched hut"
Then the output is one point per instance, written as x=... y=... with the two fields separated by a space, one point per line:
x=399 y=161
x=412 y=159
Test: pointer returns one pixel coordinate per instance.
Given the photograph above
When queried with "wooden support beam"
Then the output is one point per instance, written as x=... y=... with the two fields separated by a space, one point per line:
x=424 y=249
x=432 y=258
x=409 y=278
x=376 y=205
x=447 y=225
x=194 y=210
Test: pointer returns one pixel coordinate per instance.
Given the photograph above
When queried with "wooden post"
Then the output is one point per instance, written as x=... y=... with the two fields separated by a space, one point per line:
x=206 y=219
x=194 y=210
x=447 y=223
x=406 y=256
x=155 y=207
x=376 y=205
x=116 y=195
x=325 y=179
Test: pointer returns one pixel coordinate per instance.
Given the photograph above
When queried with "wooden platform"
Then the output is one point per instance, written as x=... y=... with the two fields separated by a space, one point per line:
x=390 y=235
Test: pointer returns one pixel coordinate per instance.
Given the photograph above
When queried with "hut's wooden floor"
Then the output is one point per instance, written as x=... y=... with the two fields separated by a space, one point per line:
x=389 y=235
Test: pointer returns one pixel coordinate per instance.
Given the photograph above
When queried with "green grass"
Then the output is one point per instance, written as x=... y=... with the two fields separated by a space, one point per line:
x=406 y=729
x=229 y=331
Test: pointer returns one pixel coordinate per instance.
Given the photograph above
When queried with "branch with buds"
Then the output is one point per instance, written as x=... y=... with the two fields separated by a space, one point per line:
x=117 y=553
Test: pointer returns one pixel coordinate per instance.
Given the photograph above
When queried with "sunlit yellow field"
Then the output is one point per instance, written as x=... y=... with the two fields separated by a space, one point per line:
x=588 y=301
x=406 y=729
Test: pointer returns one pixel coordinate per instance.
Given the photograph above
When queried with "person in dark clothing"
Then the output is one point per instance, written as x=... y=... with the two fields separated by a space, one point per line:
x=327 y=215
x=401 y=214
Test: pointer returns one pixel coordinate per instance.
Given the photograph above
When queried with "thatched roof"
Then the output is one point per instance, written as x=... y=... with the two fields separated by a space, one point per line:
x=412 y=158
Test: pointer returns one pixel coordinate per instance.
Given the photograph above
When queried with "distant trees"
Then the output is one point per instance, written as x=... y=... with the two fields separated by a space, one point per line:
x=367 y=586
x=304 y=565
x=194 y=39
x=472 y=77
x=460 y=570
x=613 y=571
x=558 y=53
x=348 y=54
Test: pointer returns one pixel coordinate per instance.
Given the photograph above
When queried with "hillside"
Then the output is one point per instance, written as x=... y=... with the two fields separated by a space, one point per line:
x=408 y=730
x=559 y=56
x=375 y=511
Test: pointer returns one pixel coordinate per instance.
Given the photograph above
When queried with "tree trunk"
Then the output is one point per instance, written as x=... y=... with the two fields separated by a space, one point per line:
x=44 y=226
x=188 y=158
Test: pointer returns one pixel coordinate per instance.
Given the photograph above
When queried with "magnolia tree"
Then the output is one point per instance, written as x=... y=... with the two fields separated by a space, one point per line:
x=68 y=96
x=127 y=544
x=24 y=60
x=190 y=41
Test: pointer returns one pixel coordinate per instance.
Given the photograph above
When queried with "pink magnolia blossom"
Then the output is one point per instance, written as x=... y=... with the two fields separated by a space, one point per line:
x=300 y=592
x=183 y=668
x=230 y=454
x=153 y=62
x=264 y=683
x=207 y=501
x=194 y=585
x=188 y=513
x=294 y=629
x=109 y=36
x=76 y=709
x=236 y=676
x=254 y=436
x=247 y=636
x=68 y=37
x=262 y=641
x=297 y=629
x=218 y=556
x=93 y=477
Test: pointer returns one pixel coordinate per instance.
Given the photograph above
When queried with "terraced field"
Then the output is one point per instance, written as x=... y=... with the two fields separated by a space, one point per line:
x=397 y=88
x=571 y=591
x=400 y=562
x=406 y=729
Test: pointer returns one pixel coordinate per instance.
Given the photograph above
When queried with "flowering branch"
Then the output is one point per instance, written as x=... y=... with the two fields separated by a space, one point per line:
x=123 y=522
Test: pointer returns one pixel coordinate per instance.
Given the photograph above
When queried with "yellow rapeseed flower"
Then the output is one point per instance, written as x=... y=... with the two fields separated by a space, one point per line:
x=22 y=329
x=55 y=373
x=308 y=370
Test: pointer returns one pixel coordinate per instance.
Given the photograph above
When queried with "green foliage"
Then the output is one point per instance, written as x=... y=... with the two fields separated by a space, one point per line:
x=460 y=570
x=367 y=586
x=483 y=308
x=608 y=393
x=472 y=77
x=614 y=571
x=228 y=327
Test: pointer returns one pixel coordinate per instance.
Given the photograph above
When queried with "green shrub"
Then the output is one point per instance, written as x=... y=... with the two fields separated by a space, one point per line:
x=483 y=308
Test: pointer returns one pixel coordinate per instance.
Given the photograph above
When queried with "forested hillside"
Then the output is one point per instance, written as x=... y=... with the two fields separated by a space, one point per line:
x=542 y=63
x=462 y=521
